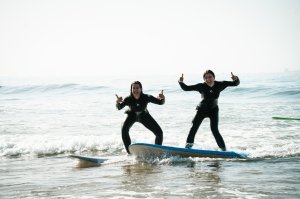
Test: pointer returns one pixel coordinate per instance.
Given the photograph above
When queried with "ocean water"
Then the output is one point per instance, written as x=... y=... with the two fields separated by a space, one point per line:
x=44 y=120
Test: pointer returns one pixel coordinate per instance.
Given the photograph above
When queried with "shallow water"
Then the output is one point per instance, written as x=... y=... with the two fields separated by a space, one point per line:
x=61 y=177
x=42 y=122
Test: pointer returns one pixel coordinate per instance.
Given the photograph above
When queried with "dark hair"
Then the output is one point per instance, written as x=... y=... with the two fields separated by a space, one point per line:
x=208 y=72
x=136 y=82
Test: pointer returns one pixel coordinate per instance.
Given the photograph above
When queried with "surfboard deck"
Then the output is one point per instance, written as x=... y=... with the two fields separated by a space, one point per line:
x=285 y=118
x=88 y=159
x=153 y=150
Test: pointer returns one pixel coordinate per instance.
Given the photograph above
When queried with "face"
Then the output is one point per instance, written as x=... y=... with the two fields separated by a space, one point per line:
x=209 y=78
x=136 y=90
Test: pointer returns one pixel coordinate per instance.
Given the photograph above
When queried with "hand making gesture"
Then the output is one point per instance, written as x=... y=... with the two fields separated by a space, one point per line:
x=233 y=77
x=181 y=78
x=119 y=99
x=161 y=95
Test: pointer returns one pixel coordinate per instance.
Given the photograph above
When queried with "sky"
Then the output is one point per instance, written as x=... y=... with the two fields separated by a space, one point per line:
x=122 y=37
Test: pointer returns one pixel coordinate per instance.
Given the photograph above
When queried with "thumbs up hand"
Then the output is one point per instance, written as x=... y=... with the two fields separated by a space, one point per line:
x=233 y=77
x=119 y=99
x=181 y=78
x=161 y=95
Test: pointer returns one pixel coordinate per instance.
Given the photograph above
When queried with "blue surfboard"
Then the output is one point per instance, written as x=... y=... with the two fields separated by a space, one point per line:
x=153 y=150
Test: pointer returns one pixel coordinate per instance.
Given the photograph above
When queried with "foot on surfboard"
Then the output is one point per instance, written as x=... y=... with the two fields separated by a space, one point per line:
x=223 y=148
x=189 y=145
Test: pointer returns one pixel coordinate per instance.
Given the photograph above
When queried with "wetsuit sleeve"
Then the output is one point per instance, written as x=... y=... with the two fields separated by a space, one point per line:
x=224 y=84
x=185 y=87
x=233 y=83
x=155 y=100
x=237 y=81
x=121 y=105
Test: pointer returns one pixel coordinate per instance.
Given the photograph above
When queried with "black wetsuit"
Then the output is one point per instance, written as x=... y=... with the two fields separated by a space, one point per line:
x=138 y=113
x=208 y=107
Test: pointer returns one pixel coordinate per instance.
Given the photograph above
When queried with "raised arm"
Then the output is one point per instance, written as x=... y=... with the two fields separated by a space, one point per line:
x=186 y=87
x=157 y=100
x=161 y=97
x=120 y=103
x=235 y=79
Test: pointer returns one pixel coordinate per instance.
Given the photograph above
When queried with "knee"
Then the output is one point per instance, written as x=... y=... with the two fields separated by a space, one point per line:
x=214 y=127
x=126 y=127
x=215 y=131
x=159 y=134
x=125 y=131
x=159 y=130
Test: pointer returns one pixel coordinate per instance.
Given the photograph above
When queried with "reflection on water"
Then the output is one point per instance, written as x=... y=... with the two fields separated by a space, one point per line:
x=140 y=178
x=178 y=179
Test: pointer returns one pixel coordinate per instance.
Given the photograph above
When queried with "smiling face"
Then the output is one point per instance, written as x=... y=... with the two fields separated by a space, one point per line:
x=209 y=77
x=136 y=90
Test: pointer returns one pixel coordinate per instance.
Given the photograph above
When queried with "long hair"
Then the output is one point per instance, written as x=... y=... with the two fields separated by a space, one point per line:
x=136 y=82
x=208 y=72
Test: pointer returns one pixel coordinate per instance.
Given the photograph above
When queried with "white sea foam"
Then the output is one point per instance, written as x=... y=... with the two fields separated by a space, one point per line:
x=80 y=116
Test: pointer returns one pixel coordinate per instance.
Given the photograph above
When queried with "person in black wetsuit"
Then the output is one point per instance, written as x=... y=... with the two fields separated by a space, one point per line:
x=208 y=107
x=137 y=102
